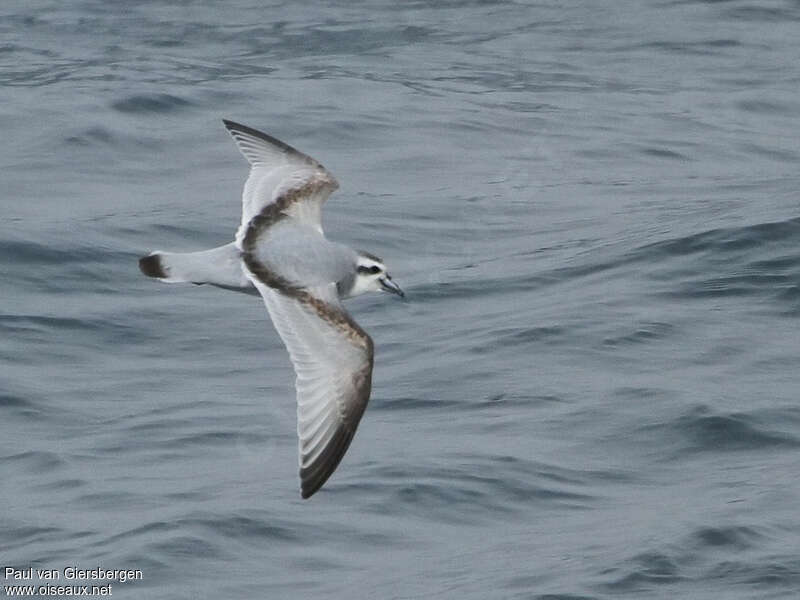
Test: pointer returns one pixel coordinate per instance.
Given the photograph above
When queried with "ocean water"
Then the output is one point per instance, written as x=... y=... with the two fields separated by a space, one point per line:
x=591 y=389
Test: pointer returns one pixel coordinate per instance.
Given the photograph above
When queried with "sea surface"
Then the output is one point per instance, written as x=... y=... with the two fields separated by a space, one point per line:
x=592 y=388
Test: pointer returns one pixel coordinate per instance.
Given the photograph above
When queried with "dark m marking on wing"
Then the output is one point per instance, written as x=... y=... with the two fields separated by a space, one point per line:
x=269 y=216
x=314 y=475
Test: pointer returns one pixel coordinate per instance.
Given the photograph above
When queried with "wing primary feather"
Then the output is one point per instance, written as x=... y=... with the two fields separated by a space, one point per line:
x=313 y=424
x=312 y=445
x=313 y=477
x=237 y=130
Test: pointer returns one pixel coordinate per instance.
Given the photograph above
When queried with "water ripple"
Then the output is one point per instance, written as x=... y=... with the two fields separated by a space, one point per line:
x=708 y=556
x=150 y=103
x=703 y=430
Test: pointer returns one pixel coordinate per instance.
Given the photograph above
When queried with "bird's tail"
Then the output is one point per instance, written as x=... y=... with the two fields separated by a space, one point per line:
x=219 y=266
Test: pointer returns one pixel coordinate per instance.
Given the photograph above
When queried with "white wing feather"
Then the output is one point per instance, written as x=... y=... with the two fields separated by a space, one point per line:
x=277 y=168
x=334 y=372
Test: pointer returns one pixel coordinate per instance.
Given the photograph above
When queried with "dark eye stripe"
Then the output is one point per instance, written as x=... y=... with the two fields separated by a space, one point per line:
x=373 y=269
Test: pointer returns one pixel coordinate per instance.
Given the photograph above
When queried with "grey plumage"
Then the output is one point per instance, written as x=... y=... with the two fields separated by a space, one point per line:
x=280 y=250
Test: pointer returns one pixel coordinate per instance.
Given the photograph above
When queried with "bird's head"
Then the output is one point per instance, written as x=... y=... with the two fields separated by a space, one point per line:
x=371 y=276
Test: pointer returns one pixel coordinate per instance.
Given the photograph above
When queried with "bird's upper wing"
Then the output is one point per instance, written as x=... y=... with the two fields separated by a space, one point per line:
x=332 y=358
x=279 y=172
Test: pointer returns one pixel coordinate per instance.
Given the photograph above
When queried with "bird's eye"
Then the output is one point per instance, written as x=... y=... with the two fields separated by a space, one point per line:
x=373 y=269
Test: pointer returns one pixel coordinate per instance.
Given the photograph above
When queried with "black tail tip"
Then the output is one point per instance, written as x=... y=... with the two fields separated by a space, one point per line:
x=151 y=266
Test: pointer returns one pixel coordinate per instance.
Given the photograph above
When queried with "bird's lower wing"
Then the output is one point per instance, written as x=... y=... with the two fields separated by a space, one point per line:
x=332 y=358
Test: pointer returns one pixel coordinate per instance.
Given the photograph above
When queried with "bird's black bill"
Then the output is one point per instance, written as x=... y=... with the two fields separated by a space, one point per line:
x=387 y=285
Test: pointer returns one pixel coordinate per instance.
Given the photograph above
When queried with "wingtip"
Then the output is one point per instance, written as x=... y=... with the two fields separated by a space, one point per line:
x=234 y=126
x=151 y=266
x=238 y=129
x=309 y=487
x=314 y=476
